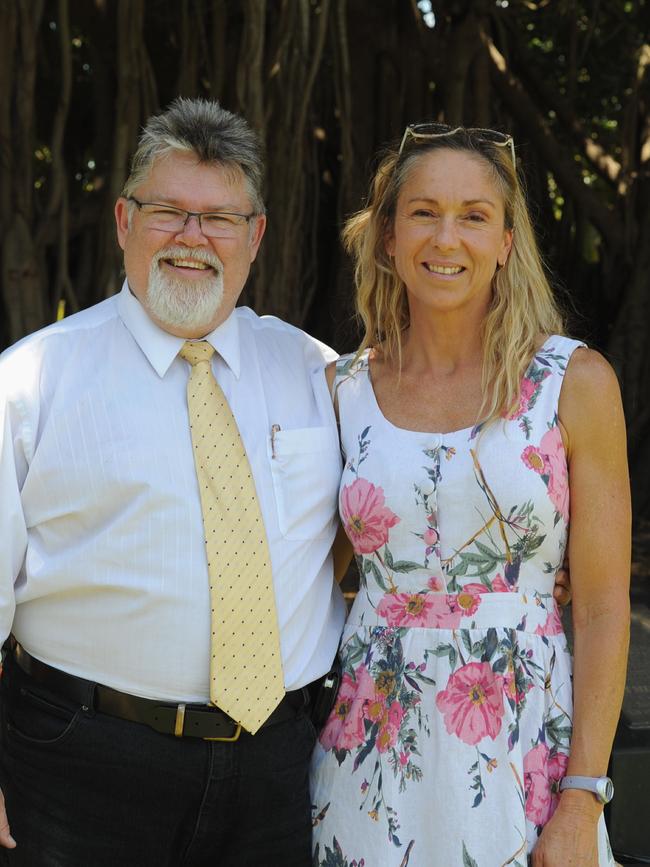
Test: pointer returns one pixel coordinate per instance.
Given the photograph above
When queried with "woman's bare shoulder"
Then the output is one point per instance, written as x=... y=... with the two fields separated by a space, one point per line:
x=590 y=401
x=589 y=375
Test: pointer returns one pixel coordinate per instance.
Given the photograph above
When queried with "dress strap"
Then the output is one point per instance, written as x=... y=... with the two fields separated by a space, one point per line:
x=541 y=386
x=348 y=367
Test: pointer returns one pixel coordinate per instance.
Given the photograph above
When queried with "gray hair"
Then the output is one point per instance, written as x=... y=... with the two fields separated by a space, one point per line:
x=202 y=127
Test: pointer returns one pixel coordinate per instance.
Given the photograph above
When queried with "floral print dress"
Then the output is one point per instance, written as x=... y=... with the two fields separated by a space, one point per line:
x=452 y=725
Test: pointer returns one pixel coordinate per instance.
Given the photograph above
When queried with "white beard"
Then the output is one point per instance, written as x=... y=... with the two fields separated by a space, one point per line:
x=184 y=304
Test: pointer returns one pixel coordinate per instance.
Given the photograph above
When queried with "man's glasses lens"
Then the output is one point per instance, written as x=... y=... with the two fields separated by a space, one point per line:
x=214 y=224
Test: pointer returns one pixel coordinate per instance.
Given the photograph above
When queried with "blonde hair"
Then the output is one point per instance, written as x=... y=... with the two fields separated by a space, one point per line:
x=522 y=306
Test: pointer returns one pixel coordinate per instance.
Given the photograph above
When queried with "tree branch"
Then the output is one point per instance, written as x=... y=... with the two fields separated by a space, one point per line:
x=607 y=167
x=563 y=167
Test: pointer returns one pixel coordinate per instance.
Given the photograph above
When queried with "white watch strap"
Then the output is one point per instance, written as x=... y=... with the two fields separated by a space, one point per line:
x=576 y=782
x=602 y=787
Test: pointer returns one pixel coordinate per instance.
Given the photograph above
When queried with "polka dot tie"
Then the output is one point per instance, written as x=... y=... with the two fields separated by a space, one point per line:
x=246 y=679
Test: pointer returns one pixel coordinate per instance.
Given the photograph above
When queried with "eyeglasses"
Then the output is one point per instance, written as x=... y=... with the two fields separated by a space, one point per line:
x=420 y=131
x=213 y=224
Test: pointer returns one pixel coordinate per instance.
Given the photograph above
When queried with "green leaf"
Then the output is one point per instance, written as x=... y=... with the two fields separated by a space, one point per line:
x=491 y=644
x=468 y=861
x=534 y=544
x=500 y=665
x=477 y=559
x=489 y=552
x=405 y=566
x=486 y=569
x=442 y=650
x=354 y=653
x=459 y=569
x=379 y=578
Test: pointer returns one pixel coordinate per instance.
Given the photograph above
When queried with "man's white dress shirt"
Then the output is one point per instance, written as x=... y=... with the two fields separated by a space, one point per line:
x=102 y=562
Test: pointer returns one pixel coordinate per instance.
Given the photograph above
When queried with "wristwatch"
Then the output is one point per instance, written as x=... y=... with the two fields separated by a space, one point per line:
x=602 y=787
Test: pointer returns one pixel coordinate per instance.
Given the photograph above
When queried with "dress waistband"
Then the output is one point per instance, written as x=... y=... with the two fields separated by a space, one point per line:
x=470 y=609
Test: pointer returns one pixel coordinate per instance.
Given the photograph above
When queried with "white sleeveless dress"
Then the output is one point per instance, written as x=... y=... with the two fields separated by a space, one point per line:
x=452 y=724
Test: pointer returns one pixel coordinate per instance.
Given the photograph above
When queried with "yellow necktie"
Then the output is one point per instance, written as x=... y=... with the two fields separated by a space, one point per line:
x=246 y=679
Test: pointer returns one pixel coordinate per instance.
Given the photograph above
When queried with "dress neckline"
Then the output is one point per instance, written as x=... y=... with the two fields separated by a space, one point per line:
x=365 y=359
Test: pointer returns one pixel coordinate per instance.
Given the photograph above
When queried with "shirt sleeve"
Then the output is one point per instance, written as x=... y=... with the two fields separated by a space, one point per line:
x=13 y=527
x=317 y=356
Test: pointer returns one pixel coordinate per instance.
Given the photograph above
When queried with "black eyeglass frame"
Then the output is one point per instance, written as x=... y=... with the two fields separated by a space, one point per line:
x=418 y=131
x=197 y=214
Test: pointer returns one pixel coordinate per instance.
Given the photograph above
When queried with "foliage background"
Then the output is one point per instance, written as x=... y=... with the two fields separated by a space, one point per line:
x=327 y=82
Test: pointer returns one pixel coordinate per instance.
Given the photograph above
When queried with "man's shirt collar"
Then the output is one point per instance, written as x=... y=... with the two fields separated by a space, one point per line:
x=161 y=348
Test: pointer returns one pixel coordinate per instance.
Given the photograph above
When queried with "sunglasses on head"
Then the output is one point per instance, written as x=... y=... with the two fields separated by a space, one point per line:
x=429 y=131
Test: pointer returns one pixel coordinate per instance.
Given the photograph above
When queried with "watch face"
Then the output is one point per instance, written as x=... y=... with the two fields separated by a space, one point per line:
x=605 y=790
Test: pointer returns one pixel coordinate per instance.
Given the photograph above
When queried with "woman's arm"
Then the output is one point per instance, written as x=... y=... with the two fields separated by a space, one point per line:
x=591 y=415
x=342 y=554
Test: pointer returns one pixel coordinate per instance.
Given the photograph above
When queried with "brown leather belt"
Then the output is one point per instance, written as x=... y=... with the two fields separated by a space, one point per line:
x=183 y=720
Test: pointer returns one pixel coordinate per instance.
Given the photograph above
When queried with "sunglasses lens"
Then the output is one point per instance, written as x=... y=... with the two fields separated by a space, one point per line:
x=430 y=129
x=436 y=130
x=491 y=135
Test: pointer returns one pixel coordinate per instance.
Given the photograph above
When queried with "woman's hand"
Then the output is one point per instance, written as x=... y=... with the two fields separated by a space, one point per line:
x=562 y=589
x=6 y=839
x=570 y=837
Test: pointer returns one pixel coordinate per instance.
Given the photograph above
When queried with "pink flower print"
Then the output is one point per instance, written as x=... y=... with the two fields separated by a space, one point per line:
x=405 y=609
x=552 y=625
x=389 y=730
x=367 y=520
x=403 y=759
x=445 y=612
x=344 y=729
x=472 y=703
x=535 y=460
x=552 y=448
x=525 y=395
x=542 y=774
x=375 y=709
x=510 y=687
x=500 y=585
x=469 y=600
x=395 y=715
x=475 y=587
x=437 y=610
x=386 y=738
x=430 y=537
x=435 y=584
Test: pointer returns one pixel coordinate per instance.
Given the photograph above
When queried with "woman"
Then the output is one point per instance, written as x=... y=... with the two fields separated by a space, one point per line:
x=468 y=424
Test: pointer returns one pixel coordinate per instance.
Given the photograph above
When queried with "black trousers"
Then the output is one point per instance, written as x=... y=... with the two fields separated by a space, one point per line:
x=84 y=789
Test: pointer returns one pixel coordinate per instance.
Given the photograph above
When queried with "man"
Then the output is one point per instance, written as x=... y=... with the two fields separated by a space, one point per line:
x=112 y=562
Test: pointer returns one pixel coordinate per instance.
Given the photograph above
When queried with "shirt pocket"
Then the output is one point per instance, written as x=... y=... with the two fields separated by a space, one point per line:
x=306 y=470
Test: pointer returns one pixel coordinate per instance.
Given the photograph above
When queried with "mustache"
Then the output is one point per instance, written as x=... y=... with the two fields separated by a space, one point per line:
x=194 y=254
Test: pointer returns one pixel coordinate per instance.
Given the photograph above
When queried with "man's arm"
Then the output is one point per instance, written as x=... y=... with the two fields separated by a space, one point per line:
x=13 y=534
